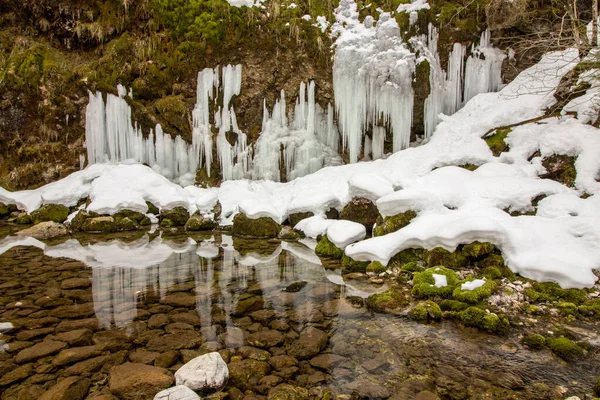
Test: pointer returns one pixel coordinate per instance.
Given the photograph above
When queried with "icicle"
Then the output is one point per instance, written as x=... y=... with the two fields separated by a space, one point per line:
x=378 y=142
x=483 y=71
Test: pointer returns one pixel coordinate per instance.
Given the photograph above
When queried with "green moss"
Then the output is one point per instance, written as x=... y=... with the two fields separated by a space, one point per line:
x=478 y=249
x=478 y=318
x=178 y=216
x=362 y=211
x=205 y=181
x=551 y=292
x=591 y=308
x=406 y=256
x=560 y=168
x=152 y=209
x=4 y=210
x=496 y=141
x=565 y=348
x=411 y=267
x=327 y=249
x=597 y=388
x=394 y=223
x=535 y=341
x=476 y=295
x=263 y=227
x=125 y=224
x=351 y=265
x=376 y=267
x=426 y=310
x=566 y=308
x=388 y=301
x=173 y=112
x=424 y=283
x=167 y=223
x=99 y=225
x=23 y=219
x=453 y=305
x=198 y=223
x=294 y=218
x=132 y=215
x=50 y=212
x=440 y=256
x=469 y=167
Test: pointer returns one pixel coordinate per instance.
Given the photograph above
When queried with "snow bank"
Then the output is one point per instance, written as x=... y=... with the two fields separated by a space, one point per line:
x=342 y=233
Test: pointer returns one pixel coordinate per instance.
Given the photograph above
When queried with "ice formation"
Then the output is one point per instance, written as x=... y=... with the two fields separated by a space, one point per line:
x=483 y=69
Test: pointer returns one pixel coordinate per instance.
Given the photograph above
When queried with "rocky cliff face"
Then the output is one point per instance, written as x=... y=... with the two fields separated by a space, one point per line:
x=52 y=53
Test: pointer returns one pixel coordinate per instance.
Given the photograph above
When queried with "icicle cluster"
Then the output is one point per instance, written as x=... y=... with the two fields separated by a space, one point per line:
x=372 y=78
x=483 y=70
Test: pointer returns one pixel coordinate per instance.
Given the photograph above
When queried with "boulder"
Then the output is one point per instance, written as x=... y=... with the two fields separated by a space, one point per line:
x=361 y=210
x=310 y=343
x=205 y=373
x=44 y=230
x=39 y=350
x=198 y=222
x=263 y=227
x=131 y=381
x=245 y=374
x=50 y=212
x=178 y=216
x=72 y=388
x=177 y=393
x=99 y=225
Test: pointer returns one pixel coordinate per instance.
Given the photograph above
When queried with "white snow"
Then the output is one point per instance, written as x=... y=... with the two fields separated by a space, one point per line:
x=322 y=23
x=472 y=285
x=415 y=5
x=369 y=186
x=342 y=233
x=440 y=280
x=245 y=3
x=313 y=226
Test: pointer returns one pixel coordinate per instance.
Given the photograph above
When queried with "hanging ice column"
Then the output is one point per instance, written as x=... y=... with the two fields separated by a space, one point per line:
x=372 y=78
x=483 y=71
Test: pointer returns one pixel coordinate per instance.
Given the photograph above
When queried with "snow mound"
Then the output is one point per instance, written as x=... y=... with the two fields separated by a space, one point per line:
x=342 y=233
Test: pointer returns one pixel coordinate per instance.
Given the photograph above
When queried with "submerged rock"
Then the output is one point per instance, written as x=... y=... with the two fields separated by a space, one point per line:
x=177 y=393
x=263 y=227
x=44 y=230
x=205 y=373
x=50 y=212
x=72 y=388
x=132 y=381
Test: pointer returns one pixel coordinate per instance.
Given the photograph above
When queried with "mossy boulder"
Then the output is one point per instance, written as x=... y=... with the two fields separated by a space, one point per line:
x=198 y=222
x=480 y=319
x=362 y=211
x=125 y=224
x=4 y=211
x=392 y=224
x=591 y=308
x=476 y=295
x=534 y=341
x=426 y=310
x=551 y=292
x=391 y=301
x=351 y=265
x=440 y=256
x=263 y=227
x=424 y=283
x=406 y=256
x=565 y=348
x=560 y=168
x=478 y=249
x=23 y=219
x=327 y=249
x=288 y=233
x=50 y=212
x=294 y=218
x=597 y=388
x=496 y=142
x=376 y=267
x=152 y=209
x=453 y=305
x=178 y=216
x=134 y=216
x=99 y=225
x=412 y=267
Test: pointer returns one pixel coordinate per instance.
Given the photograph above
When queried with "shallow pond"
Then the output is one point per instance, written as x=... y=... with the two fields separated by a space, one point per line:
x=84 y=305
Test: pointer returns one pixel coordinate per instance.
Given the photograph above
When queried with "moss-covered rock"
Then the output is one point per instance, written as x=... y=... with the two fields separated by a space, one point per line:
x=376 y=267
x=50 y=212
x=361 y=210
x=198 y=222
x=178 y=216
x=424 y=283
x=476 y=295
x=167 y=223
x=99 y=225
x=152 y=209
x=566 y=308
x=351 y=265
x=4 y=212
x=392 y=224
x=560 y=168
x=597 y=388
x=591 y=308
x=125 y=224
x=426 y=310
x=534 y=341
x=412 y=267
x=480 y=319
x=23 y=219
x=132 y=215
x=288 y=233
x=496 y=142
x=327 y=249
x=390 y=301
x=551 y=292
x=263 y=227
x=288 y=392
x=406 y=256
x=173 y=111
x=565 y=348
x=453 y=305
x=478 y=249
x=440 y=256
x=294 y=218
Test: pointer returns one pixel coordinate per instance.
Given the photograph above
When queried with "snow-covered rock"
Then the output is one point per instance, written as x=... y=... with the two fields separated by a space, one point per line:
x=208 y=372
x=342 y=233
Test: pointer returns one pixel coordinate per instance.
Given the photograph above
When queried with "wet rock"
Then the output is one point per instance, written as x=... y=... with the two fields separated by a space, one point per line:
x=44 y=230
x=367 y=388
x=177 y=393
x=267 y=383
x=288 y=233
x=175 y=341
x=88 y=323
x=254 y=353
x=75 y=354
x=99 y=225
x=72 y=388
x=326 y=361
x=265 y=339
x=39 y=350
x=158 y=321
x=23 y=219
x=33 y=333
x=179 y=300
x=263 y=227
x=295 y=286
x=426 y=395
x=279 y=325
x=198 y=222
x=166 y=359
x=112 y=340
x=249 y=305
x=73 y=311
x=75 y=283
x=16 y=375
x=263 y=316
x=310 y=343
x=294 y=218
x=86 y=366
x=138 y=381
x=287 y=392
x=16 y=346
x=178 y=326
x=178 y=216
x=245 y=374
x=283 y=361
x=186 y=317
x=362 y=211
x=142 y=356
x=205 y=373
x=126 y=225
x=50 y=212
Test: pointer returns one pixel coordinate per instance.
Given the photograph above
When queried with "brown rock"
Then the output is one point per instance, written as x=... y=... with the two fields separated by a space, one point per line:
x=39 y=350
x=74 y=311
x=112 y=340
x=166 y=359
x=16 y=375
x=86 y=366
x=75 y=354
x=88 y=323
x=143 y=356
x=179 y=300
x=44 y=230
x=76 y=283
x=245 y=374
x=72 y=388
x=158 y=321
x=326 y=361
x=310 y=343
x=78 y=337
x=175 y=341
x=138 y=381
x=265 y=339
x=187 y=317
x=280 y=362
x=34 y=333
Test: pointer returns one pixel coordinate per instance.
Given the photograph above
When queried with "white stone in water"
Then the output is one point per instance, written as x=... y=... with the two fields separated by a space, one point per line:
x=5 y=326
x=440 y=280
x=204 y=373
x=177 y=393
